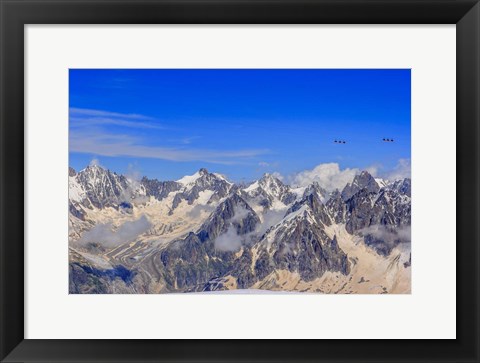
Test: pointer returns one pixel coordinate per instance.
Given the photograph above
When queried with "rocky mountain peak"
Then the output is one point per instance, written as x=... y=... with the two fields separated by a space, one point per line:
x=95 y=174
x=159 y=189
x=364 y=180
x=191 y=186
x=232 y=211
x=202 y=178
x=315 y=188
x=94 y=167
x=102 y=187
x=203 y=171
x=269 y=178
x=211 y=181
x=268 y=189
x=314 y=204
x=270 y=183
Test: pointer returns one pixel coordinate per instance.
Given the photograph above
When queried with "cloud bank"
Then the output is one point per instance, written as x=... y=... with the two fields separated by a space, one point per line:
x=401 y=234
x=329 y=176
x=104 y=234
x=401 y=171
x=229 y=241
x=385 y=238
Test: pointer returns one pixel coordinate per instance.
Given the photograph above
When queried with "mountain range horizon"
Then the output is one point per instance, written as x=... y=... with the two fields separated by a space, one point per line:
x=136 y=176
x=205 y=233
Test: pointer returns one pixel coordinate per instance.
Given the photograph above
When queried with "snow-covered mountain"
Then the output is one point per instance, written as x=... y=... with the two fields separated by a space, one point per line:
x=269 y=192
x=203 y=232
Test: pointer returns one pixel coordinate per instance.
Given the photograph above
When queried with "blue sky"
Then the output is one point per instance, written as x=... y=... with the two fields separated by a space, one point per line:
x=241 y=123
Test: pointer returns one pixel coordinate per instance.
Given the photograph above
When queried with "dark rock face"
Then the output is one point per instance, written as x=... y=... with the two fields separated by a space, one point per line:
x=382 y=216
x=84 y=278
x=315 y=188
x=216 y=284
x=83 y=282
x=387 y=209
x=308 y=251
x=211 y=182
x=76 y=211
x=159 y=189
x=176 y=201
x=380 y=245
x=71 y=171
x=189 y=264
x=102 y=187
x=368 y=205
x=403 y=186
x=126 y=207
x=318 y=208
x=336 y=208
x=359 y=208
x=194 y=263
x=361 y=181
x=233 y=211
x=243 y=272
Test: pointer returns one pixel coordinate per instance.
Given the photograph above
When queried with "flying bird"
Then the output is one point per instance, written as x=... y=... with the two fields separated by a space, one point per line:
x=340 y=142
x=387 y=140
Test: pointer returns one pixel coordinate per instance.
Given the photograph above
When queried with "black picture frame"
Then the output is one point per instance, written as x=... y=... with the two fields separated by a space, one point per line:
x=15 y=14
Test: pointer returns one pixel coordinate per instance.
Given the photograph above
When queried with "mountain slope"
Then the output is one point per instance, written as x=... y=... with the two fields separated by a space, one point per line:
x=204 y=233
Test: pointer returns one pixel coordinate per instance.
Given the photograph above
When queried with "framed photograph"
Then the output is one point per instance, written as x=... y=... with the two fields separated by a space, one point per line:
x=263 y=221
x=240 y=181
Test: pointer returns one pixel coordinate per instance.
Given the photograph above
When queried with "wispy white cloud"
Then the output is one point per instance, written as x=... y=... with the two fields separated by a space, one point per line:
x=106 y=235
x=99 y=143
x=267 y=166
x=188 y=140
x=277 y=175
x=74 y=111
x=402 y=170
x=99 y=121
x=95 y=162
x=84 y=117
x=231 y=240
